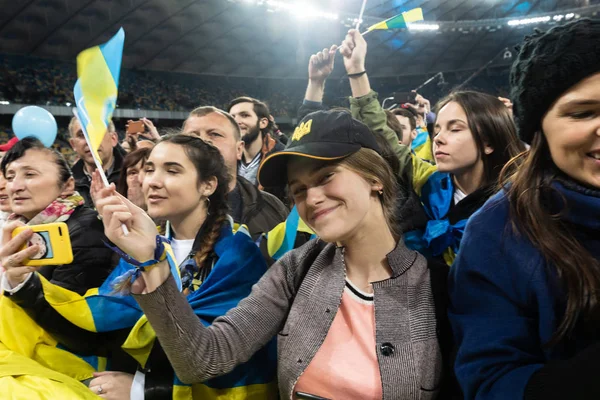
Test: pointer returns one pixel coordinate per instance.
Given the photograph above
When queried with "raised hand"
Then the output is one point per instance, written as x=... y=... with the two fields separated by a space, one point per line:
x=116 y=210
x=422 y=102
x=507 y=103
x=151 y=131
x=320 y=64
x=354 y=50
x=96 y=186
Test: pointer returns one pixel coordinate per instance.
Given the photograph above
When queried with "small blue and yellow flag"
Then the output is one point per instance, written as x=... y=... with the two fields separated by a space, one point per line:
x=96 y=90
x=399 y=21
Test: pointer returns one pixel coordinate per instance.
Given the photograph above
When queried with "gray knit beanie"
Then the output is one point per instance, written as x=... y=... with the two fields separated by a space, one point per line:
x=549 y=64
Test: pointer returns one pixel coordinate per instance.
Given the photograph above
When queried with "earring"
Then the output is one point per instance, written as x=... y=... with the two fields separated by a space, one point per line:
x=381 y=192
x=207 y=206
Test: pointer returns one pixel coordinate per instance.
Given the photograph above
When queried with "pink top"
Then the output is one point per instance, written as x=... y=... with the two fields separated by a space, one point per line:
x=345 y=366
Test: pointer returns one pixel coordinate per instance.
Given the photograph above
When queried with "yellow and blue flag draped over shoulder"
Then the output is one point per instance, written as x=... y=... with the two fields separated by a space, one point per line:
x=440 y=238
x=96 y=89
x=422 y=146
x=282 y=238
x=32 y=367
x=238 y=266
x=399 y=21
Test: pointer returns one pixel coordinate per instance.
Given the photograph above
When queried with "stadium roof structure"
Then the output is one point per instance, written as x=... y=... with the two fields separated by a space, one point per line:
x=268 y=38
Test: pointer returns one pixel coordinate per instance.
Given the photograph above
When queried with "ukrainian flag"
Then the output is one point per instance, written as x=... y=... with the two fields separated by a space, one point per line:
x=422 y=145
x=238 y=267
x=282 y=238
x=32 y=366
x=95 y=91
x=399 y=21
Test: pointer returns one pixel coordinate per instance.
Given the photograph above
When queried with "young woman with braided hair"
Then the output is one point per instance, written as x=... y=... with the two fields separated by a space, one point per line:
x=185 y=182
x=195 y=219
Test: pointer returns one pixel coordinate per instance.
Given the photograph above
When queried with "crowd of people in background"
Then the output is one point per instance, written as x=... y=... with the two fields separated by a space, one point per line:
x=48 y=82
x=434 y=250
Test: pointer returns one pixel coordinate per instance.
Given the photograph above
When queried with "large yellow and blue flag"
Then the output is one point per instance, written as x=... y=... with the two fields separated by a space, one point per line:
x=96 y=89
x=237 y=267
x=399 y=21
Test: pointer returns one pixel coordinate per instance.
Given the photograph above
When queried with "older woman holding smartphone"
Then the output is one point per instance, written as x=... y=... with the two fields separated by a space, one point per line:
x=41 y=190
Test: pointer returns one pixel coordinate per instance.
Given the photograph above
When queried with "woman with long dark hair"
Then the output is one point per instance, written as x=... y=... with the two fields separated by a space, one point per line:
x=524 y=290
x=474 y=137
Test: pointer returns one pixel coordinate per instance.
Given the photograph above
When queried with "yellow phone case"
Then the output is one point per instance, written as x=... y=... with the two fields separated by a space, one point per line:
x=59 y=250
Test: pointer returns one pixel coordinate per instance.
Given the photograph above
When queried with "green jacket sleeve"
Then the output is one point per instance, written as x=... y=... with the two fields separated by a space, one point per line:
x=412 y=169
x=368 y=110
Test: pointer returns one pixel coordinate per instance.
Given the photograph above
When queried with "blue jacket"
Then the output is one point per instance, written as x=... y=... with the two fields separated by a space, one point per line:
x=506 y=302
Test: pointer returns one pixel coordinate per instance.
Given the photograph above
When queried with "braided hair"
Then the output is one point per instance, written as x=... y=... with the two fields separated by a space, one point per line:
x=208 y=162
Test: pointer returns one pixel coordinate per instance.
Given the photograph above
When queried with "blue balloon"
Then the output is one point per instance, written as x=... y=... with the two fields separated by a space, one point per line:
x=34 y=121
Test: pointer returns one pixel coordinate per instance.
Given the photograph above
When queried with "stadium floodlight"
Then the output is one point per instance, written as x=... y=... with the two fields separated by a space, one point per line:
x=527 y=21
x=300 y=10
x=423 y=27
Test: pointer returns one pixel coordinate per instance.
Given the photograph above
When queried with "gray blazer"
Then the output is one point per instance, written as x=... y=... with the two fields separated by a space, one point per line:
x=297 y=300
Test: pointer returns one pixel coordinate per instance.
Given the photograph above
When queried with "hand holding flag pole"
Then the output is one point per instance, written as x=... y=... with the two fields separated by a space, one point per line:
x=396 y=22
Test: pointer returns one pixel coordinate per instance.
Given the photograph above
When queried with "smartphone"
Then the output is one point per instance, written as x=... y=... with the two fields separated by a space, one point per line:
x=308 y=396
x=405 y=97
x=135 y=127
x=54 y=242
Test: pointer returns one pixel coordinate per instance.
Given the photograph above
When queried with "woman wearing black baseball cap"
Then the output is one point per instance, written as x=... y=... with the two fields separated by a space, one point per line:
x=357 y=314
x=525 y=289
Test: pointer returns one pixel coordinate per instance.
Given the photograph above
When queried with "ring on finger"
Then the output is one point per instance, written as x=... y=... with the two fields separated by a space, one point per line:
x=100 y=390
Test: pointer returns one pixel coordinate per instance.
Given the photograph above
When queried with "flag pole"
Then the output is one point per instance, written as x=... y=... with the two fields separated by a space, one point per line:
x=360 y=15
x=97 y=162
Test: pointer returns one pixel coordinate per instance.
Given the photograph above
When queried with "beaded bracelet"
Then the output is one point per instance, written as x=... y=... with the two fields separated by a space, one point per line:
x=123 y=282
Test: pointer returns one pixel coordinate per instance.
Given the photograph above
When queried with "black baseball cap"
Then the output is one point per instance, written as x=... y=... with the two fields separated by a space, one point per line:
x=321 y=135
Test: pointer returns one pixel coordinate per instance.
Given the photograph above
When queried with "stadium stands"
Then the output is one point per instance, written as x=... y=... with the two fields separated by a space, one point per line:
x=47 y=82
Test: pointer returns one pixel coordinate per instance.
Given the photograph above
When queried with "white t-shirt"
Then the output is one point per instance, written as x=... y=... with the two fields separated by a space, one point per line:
x=181 y=249
x=458 y=195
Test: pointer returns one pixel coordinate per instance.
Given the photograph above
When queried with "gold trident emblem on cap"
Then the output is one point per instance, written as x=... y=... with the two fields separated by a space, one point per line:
x=302 y=130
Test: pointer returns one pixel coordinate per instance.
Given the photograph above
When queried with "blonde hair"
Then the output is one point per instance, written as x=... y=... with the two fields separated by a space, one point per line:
x=373 y=168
